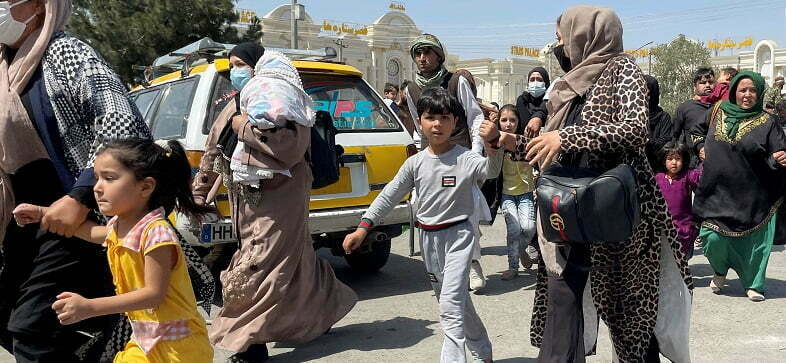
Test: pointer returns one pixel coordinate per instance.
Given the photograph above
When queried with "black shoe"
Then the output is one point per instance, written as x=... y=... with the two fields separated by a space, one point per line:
x=255 y=353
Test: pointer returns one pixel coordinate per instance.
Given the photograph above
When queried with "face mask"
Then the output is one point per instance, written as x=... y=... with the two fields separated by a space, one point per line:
x=11 y=29
x=564 y=62
x=240 y=77
x=536 y=89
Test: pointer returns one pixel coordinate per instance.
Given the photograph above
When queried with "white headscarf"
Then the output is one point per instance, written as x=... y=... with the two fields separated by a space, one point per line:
x=272 y=98
x=275 y=95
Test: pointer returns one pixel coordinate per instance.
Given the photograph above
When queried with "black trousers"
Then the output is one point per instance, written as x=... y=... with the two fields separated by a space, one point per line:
x=36 y=267
x=563 y=336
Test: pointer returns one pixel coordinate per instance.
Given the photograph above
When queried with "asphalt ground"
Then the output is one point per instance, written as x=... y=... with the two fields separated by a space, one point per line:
x=397 y=316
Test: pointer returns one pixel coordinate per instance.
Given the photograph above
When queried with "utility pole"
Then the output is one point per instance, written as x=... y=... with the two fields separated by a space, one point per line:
x=341 y=46
x=293 y=16
x=649 y=66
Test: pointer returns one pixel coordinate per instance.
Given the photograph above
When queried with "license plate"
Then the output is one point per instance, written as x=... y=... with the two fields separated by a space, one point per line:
x=217 y=233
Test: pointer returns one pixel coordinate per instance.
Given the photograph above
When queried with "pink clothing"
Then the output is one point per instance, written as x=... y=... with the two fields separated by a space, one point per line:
x=719 y=93
x=677 y=192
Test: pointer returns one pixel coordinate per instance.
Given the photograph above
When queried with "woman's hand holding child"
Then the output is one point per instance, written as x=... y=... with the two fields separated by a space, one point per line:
x=543 y=149
x=64 y=216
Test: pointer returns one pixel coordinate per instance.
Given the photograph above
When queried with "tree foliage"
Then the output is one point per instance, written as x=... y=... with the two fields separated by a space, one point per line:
x=674 y=65
x=254 y=31
x=135 y=32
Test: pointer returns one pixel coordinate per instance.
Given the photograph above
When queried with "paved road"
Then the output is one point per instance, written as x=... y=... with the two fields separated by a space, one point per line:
x=397 y=319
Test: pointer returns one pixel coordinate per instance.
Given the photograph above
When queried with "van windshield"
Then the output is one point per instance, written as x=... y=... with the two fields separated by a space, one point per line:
x=351 y=102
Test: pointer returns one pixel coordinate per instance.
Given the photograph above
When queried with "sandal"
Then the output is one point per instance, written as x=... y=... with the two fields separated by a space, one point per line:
x=717 y=283
x=755 y=296
x=509 y=274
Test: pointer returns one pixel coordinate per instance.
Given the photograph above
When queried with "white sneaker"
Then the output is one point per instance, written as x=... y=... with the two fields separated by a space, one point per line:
x=717 y=283
x=476 y=279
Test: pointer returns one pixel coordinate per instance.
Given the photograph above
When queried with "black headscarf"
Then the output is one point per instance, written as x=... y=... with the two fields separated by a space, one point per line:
x=529 y=106
x=248 y=52
x=543 y=73
x=654 y=91
x=660 y=124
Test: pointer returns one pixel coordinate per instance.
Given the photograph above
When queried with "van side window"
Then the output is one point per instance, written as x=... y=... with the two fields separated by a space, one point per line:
x=146 y=102
x=218 y=100
x=171 y=117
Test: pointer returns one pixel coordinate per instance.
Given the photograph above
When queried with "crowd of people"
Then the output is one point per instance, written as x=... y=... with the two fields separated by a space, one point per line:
x=86 y=245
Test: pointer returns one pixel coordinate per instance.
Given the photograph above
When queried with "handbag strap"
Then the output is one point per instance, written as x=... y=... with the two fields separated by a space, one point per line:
x=714 y=114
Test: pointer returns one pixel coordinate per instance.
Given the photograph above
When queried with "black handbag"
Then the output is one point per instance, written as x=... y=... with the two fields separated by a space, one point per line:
x=585 y=206
x=227 y=139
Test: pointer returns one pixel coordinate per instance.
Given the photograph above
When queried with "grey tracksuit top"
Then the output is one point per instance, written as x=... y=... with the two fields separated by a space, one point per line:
x=443 y=184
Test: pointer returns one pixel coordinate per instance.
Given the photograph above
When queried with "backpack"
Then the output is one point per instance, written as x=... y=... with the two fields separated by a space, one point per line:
x=324 y=156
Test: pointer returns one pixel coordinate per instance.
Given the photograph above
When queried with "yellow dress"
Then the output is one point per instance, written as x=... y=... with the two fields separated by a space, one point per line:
x=174 y=331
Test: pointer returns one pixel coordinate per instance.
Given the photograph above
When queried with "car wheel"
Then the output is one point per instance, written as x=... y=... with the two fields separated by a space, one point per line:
x=371 y=260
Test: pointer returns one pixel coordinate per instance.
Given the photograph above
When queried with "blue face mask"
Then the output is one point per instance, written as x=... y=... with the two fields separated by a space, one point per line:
x=240 y=77
x=536 y=89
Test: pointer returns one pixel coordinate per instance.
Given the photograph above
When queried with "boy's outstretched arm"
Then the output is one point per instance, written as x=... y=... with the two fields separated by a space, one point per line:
x=391 y=195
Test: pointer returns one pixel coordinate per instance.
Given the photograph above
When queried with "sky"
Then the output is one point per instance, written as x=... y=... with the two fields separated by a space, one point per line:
x=487 y=29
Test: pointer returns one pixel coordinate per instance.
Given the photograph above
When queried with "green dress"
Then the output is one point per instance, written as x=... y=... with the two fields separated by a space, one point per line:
x=741 y=187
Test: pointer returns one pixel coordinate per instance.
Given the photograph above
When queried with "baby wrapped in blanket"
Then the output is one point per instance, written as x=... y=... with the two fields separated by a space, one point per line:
x=273 y=97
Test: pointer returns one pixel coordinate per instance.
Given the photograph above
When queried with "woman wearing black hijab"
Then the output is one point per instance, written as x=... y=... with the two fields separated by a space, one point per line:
x=659 y=122
x=275 y=288
x=243 y=58
x=530 y=103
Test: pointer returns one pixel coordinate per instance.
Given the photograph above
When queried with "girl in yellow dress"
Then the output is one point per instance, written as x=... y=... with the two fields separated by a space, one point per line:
x=139 y=183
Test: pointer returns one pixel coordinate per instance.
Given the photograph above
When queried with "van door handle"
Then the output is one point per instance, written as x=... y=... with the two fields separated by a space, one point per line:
x=353 y=158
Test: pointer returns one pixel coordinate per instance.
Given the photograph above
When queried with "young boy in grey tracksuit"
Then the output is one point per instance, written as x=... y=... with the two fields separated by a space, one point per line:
x=443 y=176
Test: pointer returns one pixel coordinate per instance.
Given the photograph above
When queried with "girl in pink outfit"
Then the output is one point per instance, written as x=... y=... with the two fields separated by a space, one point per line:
x=677 y=184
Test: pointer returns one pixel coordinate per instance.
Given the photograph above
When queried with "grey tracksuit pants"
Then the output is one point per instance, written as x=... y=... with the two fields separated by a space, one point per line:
x=447 y=254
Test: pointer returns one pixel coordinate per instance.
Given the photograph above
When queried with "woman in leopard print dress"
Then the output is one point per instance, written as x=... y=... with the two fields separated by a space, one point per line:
x=640 y=288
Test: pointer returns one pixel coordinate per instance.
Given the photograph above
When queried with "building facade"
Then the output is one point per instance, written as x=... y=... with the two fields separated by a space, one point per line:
x=380 y=50
x=766 y=58
x=500 y=81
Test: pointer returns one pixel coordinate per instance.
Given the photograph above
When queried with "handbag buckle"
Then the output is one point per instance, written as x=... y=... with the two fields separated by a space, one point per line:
x=557 y=222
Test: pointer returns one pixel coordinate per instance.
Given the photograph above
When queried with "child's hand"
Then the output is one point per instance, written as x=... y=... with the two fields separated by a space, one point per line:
x=72 y=308
x=702 y=155
x=780 y=157
x=25 y=214
x=353 y=240
x=488 y=130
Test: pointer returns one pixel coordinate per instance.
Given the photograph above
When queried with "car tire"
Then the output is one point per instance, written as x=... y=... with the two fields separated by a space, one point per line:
x=371 y=261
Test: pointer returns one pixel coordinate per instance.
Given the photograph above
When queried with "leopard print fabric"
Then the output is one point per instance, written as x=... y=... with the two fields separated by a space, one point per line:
x=624 y=278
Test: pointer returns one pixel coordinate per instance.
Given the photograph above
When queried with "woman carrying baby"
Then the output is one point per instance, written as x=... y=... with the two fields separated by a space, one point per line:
x=276 y=289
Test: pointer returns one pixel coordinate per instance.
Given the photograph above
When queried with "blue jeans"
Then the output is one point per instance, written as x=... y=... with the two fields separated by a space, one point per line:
x=519 y=211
